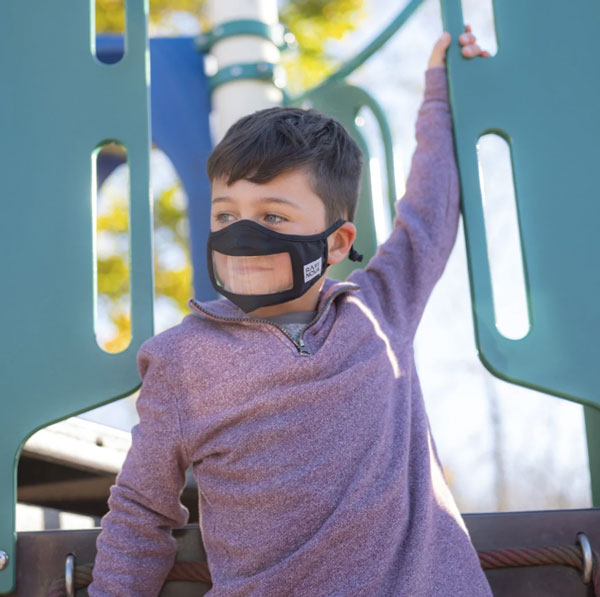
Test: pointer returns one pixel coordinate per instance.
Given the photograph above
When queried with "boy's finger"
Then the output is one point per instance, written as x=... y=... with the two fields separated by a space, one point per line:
x=439 y=50
x=444 y=40
x=471 y=50
x=466 y=38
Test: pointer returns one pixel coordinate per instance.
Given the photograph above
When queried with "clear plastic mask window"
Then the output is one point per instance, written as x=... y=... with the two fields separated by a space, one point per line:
x=254 y=274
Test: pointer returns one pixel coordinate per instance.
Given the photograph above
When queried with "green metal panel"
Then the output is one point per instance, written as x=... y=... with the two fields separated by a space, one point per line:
x=58 y=105
x=344 y=102
x=539 y=94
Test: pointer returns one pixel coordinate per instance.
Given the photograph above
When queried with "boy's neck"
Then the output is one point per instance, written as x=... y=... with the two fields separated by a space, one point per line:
x=307 y=302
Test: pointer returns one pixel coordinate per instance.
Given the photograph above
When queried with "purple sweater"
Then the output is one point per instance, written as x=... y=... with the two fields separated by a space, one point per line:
x=316 y=468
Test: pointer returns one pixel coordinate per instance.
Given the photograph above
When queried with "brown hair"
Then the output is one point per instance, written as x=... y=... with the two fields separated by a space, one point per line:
x=262 y=145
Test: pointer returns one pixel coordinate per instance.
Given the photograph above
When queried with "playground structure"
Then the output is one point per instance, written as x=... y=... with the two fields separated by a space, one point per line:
x=557 y=356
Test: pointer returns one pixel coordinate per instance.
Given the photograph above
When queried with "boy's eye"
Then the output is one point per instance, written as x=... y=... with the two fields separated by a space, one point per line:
x=274 y=219
x=227 y=218
x=223 y=218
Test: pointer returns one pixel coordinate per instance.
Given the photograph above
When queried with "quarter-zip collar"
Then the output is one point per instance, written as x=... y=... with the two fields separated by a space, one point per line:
x=224 y=310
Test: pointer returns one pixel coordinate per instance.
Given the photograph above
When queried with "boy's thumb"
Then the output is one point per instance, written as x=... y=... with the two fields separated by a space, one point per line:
x=444 y=40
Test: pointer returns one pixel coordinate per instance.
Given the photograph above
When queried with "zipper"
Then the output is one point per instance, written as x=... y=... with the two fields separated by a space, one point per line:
x=302 y=347
x=299 y=344
x=321 y=311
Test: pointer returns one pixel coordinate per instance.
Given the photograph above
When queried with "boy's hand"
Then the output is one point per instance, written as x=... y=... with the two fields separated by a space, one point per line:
x=467 y=40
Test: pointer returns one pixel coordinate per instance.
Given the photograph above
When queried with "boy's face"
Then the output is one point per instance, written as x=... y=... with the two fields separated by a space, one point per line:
x=286 y=204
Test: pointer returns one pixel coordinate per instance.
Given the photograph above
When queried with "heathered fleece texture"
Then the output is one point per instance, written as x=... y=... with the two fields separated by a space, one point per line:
x=317 y=474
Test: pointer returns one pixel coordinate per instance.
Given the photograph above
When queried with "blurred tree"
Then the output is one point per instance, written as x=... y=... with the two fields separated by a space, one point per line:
x=313 y=22
x=174 y=283
x=110 y=16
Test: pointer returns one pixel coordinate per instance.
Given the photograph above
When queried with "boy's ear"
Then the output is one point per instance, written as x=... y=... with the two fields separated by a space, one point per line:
x=340 y=241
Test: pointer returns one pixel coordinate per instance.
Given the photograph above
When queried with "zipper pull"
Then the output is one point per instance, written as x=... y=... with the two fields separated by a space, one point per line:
x=303 y=350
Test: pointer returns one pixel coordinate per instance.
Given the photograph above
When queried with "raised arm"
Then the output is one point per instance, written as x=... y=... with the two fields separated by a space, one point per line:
x=400 y=277
x=135 y=548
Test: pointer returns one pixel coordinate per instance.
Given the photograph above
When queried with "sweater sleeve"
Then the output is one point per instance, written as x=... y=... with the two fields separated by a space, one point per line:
x=135 y=548
x=401 y=275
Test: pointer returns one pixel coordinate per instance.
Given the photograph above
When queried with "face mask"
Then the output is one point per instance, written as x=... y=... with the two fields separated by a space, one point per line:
x=254 y=266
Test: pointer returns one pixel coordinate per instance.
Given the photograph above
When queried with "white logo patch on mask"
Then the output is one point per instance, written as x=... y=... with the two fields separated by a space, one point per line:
x=312 y=269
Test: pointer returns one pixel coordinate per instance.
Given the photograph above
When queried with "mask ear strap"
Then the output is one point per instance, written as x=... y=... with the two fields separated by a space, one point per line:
x=337 y=224
x=354 y=255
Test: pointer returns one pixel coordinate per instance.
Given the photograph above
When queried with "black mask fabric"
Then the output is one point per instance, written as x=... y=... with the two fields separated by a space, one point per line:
x=304 y=256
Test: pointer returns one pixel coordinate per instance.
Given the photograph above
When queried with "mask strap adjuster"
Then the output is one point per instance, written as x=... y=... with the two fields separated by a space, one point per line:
x=354 y=255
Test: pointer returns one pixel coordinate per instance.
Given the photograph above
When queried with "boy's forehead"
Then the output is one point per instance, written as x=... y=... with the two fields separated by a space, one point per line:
x=293 y=187
x=290 y=194
x=292 y=175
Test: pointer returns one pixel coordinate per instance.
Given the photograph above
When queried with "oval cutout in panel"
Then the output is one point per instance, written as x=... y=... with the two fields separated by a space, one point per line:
x=109 y=17
x=503 y=237
x=112 y=284
x=480 y=15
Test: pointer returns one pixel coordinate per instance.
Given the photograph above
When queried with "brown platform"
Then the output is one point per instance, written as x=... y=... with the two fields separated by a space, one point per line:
x=41 y=554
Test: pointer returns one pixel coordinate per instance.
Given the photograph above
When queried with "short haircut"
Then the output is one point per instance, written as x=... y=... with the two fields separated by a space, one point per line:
x=262 y=145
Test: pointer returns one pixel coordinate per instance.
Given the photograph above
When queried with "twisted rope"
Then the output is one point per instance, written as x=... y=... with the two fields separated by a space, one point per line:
x=181 y=571
x=551 y=555
x=83 y=578
x=190 y=571
x=492 y=559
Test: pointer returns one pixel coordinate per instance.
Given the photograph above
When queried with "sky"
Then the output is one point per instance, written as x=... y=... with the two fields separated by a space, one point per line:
x=502 y=446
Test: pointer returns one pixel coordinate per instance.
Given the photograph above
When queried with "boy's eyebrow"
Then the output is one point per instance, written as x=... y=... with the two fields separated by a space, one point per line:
x=292 y=204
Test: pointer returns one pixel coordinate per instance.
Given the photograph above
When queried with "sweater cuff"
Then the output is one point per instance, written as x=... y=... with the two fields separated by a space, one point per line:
x=435 y=84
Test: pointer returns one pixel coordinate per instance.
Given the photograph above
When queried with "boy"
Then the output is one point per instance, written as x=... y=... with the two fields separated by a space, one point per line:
x=297 y=400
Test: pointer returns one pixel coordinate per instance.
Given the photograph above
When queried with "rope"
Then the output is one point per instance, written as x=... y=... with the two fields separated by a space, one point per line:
x=181 y=571
x=492 y=559
x=83 y=578
x=552 y=555
x=190 y=571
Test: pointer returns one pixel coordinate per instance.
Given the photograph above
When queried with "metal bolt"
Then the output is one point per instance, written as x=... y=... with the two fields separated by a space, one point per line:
x=236 y=71
x=3 y=559
x=70 y=575
x=588 y=557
